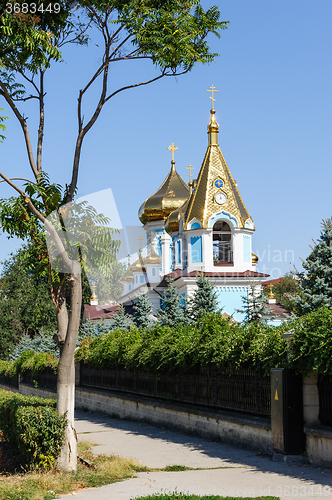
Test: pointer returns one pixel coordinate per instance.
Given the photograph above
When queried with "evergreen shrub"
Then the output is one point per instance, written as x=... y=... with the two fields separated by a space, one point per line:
x=33 y=428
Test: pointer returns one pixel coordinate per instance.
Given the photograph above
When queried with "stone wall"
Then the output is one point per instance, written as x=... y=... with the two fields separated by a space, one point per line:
x=251 y=432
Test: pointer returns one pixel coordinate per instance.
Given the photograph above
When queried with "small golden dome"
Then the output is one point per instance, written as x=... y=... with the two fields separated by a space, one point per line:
x=254 y=258
x=173 y=221
x=138 y=265
x=152 y=258
x=128 y=276
x=170 y=196
x=213 y=126
x=271 y=294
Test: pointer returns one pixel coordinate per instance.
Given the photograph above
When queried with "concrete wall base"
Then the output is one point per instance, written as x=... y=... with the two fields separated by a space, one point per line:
x=319 y=445
x=297 y=459
x=247 y=431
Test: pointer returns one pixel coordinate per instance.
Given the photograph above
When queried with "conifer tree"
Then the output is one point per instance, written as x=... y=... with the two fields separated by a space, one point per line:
x=40 y=343
x=316 y=284
x=121 y=321
x=172 y=311
x=254 y=306
x=204 y=299
x=142 y=312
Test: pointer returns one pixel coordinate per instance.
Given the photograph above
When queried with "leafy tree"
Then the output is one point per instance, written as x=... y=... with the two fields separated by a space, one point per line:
x=142 y=312
x=254 y=306
x=316 y=283
x=204 y=299
x=121 y=320
x=172 y=311
x=311 y=342
x=109 y=286
x=25 y=302
x=285 y=292
x=172 y=35
x=2 y=126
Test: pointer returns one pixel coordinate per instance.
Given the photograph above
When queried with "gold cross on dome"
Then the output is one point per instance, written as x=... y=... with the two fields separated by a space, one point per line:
x=213 y=89
x=140 y=239
x=190 y=168
x=172 y=149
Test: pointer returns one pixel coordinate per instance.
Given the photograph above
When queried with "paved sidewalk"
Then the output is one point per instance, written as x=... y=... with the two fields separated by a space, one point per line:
x=242 y=473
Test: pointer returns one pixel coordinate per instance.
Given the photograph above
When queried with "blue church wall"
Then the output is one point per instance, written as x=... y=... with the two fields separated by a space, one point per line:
x=246 y=249
x=183 y=301
x=230 y=298
x=196 y=249
x=178 y=252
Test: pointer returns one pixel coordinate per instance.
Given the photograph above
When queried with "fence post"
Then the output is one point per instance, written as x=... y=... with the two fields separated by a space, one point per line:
x=287 y=412
x=310 y=400
x=77 y=373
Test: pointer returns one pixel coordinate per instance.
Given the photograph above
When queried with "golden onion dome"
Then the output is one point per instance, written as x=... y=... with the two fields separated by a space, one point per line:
x=138 y=265
x=254 y=258
x=128 y=276
x=213 y=126
x=173 y=220
x=152 y=258
x=170 y=196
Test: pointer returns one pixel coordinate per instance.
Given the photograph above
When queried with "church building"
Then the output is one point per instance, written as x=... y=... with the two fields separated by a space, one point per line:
x=200 y=227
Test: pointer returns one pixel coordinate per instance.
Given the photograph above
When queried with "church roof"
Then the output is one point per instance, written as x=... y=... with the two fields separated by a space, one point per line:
x=278 y=310
x=195 y=274
x=170 y=196
x=215 y=177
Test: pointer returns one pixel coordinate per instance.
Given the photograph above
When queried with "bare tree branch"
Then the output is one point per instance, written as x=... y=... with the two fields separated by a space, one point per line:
x=55 y=237
x=136 y=85
x=41 y=122
x=24 y=126
x=20 y=179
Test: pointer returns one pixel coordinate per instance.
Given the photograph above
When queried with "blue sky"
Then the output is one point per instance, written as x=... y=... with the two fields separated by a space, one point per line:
x=274 y=108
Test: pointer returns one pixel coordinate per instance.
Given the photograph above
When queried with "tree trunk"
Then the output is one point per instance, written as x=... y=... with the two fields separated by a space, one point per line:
x=66 y=373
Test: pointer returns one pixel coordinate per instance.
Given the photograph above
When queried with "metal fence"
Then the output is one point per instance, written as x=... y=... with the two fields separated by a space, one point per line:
x=47 y=379
x=325 y=400
x=7 y=380
x=247 y=390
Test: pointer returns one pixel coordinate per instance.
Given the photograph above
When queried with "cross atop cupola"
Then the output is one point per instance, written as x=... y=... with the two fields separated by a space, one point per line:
x=172 y=149
x=213 y=89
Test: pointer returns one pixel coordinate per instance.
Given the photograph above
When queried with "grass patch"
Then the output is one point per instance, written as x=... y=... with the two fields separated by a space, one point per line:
x=175 y=468
x=47 y=485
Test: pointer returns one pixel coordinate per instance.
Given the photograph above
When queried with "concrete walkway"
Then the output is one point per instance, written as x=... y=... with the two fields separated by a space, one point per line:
x=241 y=472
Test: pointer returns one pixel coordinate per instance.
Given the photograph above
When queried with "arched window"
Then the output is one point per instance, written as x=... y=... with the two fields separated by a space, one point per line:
x=222 y=243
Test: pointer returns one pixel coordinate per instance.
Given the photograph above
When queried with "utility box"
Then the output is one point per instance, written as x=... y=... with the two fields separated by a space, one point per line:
x=287 y=412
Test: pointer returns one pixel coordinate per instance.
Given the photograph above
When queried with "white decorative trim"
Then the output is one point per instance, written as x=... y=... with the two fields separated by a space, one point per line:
x=223 y=215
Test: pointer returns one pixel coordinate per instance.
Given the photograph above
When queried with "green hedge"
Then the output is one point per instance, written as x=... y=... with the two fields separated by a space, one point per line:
x=213 y=340
x=28 y=360
x=310 y=348
x=33 y=428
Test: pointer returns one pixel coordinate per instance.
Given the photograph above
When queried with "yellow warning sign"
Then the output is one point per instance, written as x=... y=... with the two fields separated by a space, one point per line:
x=276 y=396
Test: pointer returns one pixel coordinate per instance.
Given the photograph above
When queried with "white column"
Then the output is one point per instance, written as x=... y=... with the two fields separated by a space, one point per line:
x=165 y=243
